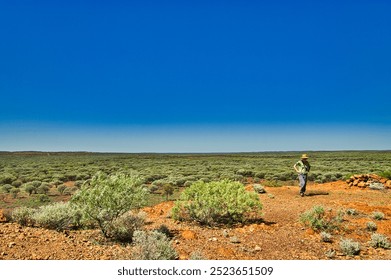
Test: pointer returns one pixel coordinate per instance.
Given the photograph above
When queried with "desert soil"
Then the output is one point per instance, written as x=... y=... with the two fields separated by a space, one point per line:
x=278 y=236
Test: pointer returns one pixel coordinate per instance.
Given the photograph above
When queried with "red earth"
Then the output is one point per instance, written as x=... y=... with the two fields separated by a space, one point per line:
x=279 y=235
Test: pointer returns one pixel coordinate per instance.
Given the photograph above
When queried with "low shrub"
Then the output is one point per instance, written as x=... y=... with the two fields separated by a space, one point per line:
x=371 y=226
x=379 y=241
x=123 y=228
x=259 y=188
x=58 y=216
x=318 y=219
x=325 y=236
x=23 y=216
x=152 y=245
x=378 y=215
x=351 y=212
x=349 y=247
x=216 y=202
x=7 y=188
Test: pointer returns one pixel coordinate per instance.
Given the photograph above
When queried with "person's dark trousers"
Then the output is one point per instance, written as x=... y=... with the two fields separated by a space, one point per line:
x=303 y=183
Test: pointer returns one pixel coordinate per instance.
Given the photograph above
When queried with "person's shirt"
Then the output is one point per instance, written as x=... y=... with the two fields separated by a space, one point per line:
x=303 y=167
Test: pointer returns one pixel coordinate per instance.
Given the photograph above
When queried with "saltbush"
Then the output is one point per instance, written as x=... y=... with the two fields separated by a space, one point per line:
x=152 y=245
x=378 y=215
x=58 y=216
x=318 y=219
x=123 y=227
x=371 y=226
x=216 y=202
x=349 y=247
x=379 y=241
x=107 y=197
x=23 y=216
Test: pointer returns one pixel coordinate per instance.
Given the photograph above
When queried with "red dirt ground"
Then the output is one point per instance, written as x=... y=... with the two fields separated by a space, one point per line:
x=279 y=235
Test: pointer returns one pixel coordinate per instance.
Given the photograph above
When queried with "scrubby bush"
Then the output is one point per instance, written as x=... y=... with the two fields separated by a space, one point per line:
x=386 y=174
x=58 y=216
x=23 y=216
x=165 y=230
x=30 y=188
x=371 y=226
x=7 y=188
x=378 y=215
x=318 y=219
x=168 y=190
x=259 y=188
x=325 y=236
x=17 y=183
x=108 y=197
x=351 y=212
x=380 y=241
x=152 y=245
x=216 y=202
x=43 y=188
x=61 y=188
x=123 y=227
x=14 y=192
x=7 y=178
x=349 y=247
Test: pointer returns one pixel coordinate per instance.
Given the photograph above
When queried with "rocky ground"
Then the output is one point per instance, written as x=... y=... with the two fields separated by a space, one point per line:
x=279 y=235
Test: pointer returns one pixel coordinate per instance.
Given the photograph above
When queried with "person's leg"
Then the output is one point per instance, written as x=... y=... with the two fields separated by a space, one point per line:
x=303 y=183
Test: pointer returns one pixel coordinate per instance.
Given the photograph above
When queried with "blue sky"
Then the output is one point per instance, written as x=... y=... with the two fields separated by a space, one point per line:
x=195 y=76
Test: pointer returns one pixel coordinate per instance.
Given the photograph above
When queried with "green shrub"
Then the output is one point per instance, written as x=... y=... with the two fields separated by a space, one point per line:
x=61 y=188
x=152 y=246
x=351 y=212
x=108 y=197
x=378 y=215
x=123 y=227
x=317 y=219
x=43 y=188
x=165 y=230
x=216 y=202
x=58 y=216
x=7 y=188
x=259 y=188
x=23 y=216
x=386 y=174
x=349 y=247
x=14 y=192
x=273 y=183
x=325 y=236
x=379 y=241
x=371 y=226
x=17 y=183
x=7 y=178
x=30 y=188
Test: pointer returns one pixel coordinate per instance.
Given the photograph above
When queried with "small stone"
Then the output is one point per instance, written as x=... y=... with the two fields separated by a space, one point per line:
x=257 y=248
x=11 y=244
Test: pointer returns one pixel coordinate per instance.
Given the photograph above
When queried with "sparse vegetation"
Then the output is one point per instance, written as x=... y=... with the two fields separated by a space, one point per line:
x=152 y=245
x=319 y=220
x=107 y=197
x=371 y=226
x=325 y=236
x=216 y=202
x=349 y=247
x=380 y=241
x=378 y=215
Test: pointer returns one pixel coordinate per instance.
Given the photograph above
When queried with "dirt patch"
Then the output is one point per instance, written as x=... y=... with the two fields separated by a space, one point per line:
x=279 y=235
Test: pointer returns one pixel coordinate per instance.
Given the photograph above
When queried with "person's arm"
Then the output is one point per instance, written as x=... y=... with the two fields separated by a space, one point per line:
x=295 y=167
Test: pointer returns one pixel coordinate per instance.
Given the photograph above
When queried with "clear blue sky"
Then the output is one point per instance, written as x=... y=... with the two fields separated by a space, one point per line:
x=195 y=76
